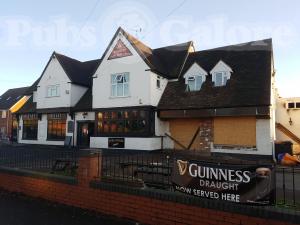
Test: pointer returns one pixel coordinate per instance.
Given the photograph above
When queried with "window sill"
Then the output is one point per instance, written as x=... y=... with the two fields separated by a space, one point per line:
x=29 y=139
x=114 y=97
x=55 y=139
x=52 y=96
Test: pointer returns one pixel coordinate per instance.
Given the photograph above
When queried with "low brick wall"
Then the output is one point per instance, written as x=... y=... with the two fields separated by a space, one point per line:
x=144 y=206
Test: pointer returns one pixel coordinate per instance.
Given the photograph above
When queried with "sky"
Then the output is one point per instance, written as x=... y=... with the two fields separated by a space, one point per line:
x=31 y=30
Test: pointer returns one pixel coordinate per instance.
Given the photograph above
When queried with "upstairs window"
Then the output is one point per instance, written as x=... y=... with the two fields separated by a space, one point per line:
x=194 y=83
x=220 y=79
x=53 y=91
x=195 y=77
x=158 y=82
x=120 y=85
x=220 y=74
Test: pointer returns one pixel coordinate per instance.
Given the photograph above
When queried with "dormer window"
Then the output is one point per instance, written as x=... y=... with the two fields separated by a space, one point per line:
x=194 y=83
x=195 y=77
x=220 y=74
x=220 y=79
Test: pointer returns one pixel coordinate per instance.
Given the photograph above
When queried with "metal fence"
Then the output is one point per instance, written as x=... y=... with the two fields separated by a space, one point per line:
x=154 y=170
x=41 y=160
x=288 y=186
x=147 y=169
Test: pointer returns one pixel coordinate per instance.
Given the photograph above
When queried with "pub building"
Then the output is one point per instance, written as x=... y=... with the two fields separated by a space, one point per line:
x=137 y=98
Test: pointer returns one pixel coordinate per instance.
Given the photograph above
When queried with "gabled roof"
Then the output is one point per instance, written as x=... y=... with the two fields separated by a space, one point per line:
x=249 y=85
x=11 y=97
x=166 y=61
x=85 y=103
x=79 y=73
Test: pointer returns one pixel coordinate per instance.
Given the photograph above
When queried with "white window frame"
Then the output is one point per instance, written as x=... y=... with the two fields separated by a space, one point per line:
x=117 y=81
x=225 y=78
x=3 y=114
x=194 y=78
x=53 y=91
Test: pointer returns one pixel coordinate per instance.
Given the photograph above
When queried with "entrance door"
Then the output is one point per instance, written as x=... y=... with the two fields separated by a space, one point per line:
x=85 y=131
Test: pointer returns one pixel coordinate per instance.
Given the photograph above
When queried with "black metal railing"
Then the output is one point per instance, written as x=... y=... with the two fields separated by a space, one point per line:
x=41 y=160
x=154 y=170
x=144 y=169
x=288 y=186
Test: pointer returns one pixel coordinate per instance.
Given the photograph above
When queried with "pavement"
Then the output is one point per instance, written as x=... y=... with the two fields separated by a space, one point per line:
x=17 y=209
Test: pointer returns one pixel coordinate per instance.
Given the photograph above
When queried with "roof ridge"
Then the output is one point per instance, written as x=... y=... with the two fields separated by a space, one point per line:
x=187 y=43
x=59 y=54
x=221 y=48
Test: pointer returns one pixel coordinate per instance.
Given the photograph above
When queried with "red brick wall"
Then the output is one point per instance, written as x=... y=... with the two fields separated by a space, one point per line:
x=6 y=123
x=142 y=209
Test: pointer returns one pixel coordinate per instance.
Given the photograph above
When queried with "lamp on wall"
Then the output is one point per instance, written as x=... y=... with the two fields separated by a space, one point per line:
x=290 y=121
x=84 y=115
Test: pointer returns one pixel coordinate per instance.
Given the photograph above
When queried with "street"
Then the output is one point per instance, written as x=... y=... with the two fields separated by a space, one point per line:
x=17 y=209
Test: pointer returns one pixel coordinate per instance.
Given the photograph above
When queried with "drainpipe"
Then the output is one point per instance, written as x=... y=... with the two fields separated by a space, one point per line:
x=74 y=123
x=7 y=124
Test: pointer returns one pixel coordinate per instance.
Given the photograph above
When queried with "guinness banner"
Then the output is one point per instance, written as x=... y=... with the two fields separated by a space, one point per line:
x=230 y=182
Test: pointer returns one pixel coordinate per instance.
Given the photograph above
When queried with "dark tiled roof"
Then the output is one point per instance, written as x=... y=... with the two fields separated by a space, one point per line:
x=11 y=97
x=33 y=87
x=85 y=103
x=28 y=107
x=249 y=85
x=166 y=61
x=79 y=72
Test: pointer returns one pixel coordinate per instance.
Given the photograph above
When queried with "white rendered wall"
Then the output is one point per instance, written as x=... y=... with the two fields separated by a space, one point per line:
x=69 y=95
x=42 y=133
x=76 y=93
x=133 y=143
x=53 y=75
x=283 y=116
x=139 y=80
x=156 y=93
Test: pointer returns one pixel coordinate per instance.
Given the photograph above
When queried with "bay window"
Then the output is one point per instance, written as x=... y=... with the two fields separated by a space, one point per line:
x=125 y=122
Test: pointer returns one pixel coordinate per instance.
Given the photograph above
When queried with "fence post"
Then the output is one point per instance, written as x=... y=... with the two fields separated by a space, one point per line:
x=88 y=168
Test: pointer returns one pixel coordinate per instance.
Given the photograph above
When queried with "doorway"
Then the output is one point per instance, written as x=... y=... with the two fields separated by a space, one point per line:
x=84 y=132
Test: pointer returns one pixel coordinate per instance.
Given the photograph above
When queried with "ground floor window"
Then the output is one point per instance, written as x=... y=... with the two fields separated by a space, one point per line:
x=30 y=127
x=235 y=131
x=125 y=122
x=56 y=126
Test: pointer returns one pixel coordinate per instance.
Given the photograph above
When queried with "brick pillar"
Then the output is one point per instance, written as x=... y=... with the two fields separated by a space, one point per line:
x=89 y=168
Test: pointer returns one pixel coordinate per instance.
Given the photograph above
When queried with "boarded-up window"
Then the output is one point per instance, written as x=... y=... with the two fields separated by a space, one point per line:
x=183 y=131
x=239 y=131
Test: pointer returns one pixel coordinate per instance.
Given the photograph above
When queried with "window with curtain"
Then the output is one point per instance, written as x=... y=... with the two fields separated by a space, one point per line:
x=120 y=85
x=220 y=79
x=194 y=83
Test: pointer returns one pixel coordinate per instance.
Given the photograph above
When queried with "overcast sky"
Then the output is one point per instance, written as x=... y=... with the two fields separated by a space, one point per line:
x=31 y=30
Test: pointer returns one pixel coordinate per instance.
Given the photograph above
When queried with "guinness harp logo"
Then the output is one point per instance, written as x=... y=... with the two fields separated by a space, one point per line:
x=182 y=166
